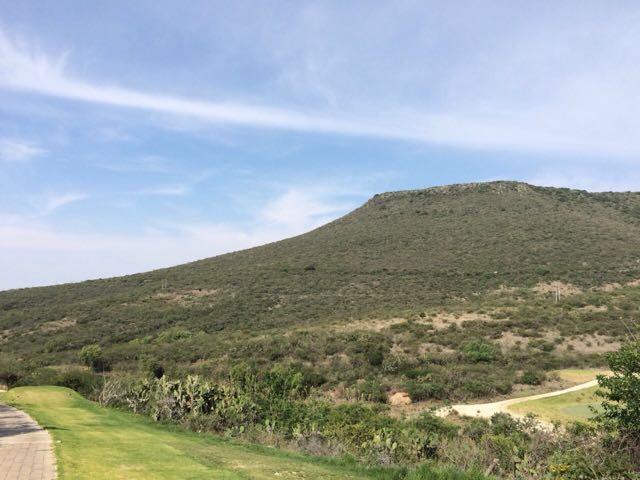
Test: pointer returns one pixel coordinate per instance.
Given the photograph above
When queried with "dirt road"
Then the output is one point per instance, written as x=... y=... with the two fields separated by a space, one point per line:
x=486 y=410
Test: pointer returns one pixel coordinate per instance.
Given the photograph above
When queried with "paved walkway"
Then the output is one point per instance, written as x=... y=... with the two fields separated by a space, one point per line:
x=26 y=451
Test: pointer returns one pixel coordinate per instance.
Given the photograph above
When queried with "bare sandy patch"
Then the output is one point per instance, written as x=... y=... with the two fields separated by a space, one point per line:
x=6 y=335
x=592 y=308
x=608 y=287
x=428 y=347
x=187 y=296
x=509 y=340
x=375 y=325
x=397 y=350
x=590 y=344
x=57 y=325
x=503 y=289
x=564 y=289
x=442 y=320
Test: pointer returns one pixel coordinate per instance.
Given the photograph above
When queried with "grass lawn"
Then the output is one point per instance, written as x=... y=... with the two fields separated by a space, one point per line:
x=101 y=443
x=569 y=407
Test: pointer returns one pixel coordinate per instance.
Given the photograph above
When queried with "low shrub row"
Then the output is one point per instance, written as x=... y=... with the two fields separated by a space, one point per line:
x=277 y=407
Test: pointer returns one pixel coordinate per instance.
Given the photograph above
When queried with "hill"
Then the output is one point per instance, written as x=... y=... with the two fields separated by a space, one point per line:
x=404 y=288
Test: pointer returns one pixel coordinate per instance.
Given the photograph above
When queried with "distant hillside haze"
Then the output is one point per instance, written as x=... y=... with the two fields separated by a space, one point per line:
x=403 y=250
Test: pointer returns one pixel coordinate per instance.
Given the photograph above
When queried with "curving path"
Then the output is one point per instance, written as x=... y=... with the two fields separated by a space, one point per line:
x=26 y=451
x=486 y=410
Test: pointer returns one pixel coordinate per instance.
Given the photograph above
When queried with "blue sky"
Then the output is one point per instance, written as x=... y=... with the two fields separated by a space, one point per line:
x=135 y=135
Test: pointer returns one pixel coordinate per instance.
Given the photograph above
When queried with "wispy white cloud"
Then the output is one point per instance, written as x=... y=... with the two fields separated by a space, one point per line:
x=556 y=123
x=55 y=202
x=300 y=209
x=16 y=151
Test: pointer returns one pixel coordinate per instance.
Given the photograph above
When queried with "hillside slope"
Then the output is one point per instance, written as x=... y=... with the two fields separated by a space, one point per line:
x=401 y=251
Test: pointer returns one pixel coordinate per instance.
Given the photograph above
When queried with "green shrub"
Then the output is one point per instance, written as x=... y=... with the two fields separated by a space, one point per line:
x=425 y=390
x=504 y=424
x=478 y=387
x=533 y=377
x=479 y=351
x=428 y=422
x=375 y=357
x=174 y=334
x=83 y=382
x=476 y=428
x=371 y=390
x=312 y=379
x=41 y=376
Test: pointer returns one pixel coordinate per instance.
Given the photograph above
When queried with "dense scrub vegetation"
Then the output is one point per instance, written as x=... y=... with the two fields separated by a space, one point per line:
x=489 y=345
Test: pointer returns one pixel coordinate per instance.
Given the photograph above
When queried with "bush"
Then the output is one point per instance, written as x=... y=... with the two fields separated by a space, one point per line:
x=478 y=387
x=533 y=377
x=311 y=379
x=41 y=376
x=477 y=428
x=174 y=334
x=372 y=391
x=375 y=357
x=85 y=383
x=428 y=422
x=425 y=390
x=479 y=351
x=504 y=424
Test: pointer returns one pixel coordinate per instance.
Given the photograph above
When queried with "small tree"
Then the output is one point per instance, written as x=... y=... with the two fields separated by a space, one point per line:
x=91 y=356
x=621 y=391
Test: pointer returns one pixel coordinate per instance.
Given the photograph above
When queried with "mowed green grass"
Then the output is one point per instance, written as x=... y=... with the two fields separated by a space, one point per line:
x=101 y=443
x=570 y=407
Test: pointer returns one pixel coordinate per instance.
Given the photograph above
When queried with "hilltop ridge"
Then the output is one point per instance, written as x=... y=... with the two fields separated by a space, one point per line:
x=494 y=185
